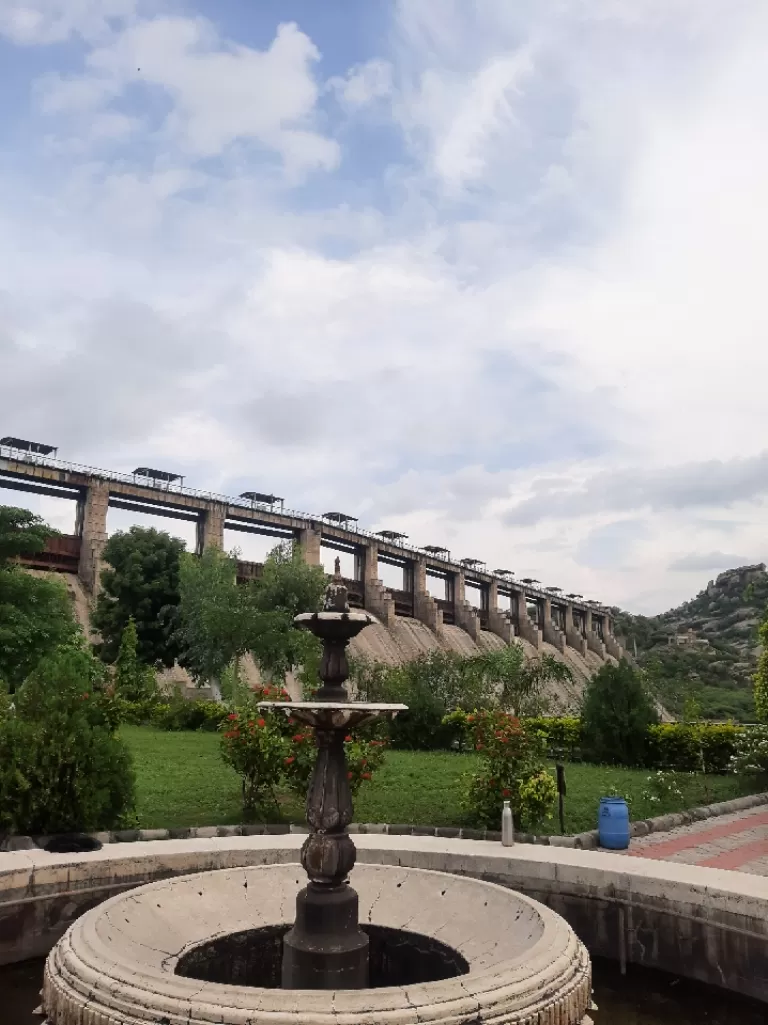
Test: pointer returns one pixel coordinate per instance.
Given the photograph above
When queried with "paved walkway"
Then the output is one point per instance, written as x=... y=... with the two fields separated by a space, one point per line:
x=738 y=841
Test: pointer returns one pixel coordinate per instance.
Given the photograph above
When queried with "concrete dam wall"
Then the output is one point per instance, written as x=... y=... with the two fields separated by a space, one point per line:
x=404 y=640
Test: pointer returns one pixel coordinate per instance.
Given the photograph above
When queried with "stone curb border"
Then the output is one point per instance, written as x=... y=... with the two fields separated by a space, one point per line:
x=581 y=841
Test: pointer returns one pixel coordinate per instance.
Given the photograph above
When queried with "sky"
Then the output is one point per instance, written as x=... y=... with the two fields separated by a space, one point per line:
x=492 y=274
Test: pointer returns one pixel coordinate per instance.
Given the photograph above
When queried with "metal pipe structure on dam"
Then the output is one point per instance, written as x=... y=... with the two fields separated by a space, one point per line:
x=535 y=614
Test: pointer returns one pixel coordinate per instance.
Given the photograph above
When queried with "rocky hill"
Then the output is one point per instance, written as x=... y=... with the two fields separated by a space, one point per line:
x=705 y=649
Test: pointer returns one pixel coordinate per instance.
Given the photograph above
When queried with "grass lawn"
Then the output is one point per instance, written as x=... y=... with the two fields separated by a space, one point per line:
x=182 y=781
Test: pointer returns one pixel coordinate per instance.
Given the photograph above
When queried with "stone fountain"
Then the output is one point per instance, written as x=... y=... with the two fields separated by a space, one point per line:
x=326 y=948
x=406 y=946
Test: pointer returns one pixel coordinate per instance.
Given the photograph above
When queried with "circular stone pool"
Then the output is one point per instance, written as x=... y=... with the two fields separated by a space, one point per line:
x=642 y=997
x=444 y=949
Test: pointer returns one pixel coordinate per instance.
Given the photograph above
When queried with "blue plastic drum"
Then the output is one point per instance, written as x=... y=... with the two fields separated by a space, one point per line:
x=613 y=823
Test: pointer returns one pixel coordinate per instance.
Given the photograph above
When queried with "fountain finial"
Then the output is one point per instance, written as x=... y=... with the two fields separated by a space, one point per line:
x=336 y=592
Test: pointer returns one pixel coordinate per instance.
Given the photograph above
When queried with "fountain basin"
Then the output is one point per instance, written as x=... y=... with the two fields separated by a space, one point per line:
x=120 y=961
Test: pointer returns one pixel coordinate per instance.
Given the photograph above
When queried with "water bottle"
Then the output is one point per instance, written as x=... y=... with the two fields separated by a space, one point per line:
x=507 y=826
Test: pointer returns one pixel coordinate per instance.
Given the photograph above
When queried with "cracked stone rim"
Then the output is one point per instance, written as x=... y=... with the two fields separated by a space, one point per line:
x=101 y=974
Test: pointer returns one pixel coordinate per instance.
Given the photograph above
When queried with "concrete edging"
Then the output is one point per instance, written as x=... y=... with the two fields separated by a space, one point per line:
x=581 y=841
x=701 y=923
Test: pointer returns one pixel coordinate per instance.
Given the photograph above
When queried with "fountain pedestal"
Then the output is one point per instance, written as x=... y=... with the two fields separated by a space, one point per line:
x=326 y=948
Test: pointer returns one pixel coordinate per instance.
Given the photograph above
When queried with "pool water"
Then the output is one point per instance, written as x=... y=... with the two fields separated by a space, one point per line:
x=642 y=997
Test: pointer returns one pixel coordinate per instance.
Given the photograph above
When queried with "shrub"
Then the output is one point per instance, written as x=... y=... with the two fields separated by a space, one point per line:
x=537 y=796
x=562 y=733
x=62 y=769
x=679 y=746
x=181 y=714
x=253 y=744
x=663 y=790
x=750 y=757
x=134 y=681
x=692 y=747
x=616 y=713
x=267 y=748
x=431 y=686
x=422 y=727
x=436 y=683
x=364 y=754
x=138 y=713
x=511 y=768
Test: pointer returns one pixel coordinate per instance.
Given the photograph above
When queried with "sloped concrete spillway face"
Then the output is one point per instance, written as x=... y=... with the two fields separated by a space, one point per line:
x=444 y=949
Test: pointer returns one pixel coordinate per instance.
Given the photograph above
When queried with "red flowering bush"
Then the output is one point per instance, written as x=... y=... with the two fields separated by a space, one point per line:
x=512 y=768
x=268 y=748
x=364 y=756
x=253 y=744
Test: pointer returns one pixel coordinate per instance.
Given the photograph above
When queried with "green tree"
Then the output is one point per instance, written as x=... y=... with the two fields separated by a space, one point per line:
x=616 y=713
x=141 y=582
x=134 y=681
x=440 y=682
x=286 y=587
x=288 y=584
x=21 y=533
x=220 y=621
x=518 y=684
x=36 y=614
x=61 y=766
x=215 y=617
x=761 y=676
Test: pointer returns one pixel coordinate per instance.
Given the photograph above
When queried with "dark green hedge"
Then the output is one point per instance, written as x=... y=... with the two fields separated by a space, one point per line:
x=684 y=747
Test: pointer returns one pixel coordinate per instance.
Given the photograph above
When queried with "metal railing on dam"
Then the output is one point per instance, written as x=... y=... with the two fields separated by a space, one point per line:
x=18 y=464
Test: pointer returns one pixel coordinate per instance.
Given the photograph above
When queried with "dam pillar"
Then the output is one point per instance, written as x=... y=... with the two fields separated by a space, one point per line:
x=210 y=527
x=612 y=645
x=593 y=641
x=92 y=521
x=309 y=539
x=425 y=608
x=376 y=598
x=573 y=636
x=552 y=634
x=466 y=617
x=499 y=623
x=526 y=628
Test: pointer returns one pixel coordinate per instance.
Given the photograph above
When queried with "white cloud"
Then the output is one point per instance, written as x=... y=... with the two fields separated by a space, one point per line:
x=42 y=22
x=363 y=84
x=707 y=561
x=220 y=92
x=467 y=117
x=556 y=304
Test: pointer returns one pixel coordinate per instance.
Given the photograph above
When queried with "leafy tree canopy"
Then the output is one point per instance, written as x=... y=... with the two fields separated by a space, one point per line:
x=141 y=582
x=21 y=533
x=213 y=623
x=35 y=612
x=220 y=621
x=286 y=587
x=36 y=616
x=616 y=713
x=288 y=584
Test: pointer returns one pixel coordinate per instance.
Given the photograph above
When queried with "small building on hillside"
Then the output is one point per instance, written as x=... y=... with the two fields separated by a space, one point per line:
x=687 y=639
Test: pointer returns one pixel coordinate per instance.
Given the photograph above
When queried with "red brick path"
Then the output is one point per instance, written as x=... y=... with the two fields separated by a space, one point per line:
x=738 y=841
